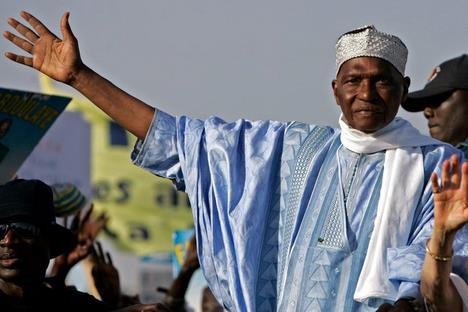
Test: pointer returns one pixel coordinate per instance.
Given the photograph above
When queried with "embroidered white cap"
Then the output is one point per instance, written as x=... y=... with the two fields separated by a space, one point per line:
x=368 y=41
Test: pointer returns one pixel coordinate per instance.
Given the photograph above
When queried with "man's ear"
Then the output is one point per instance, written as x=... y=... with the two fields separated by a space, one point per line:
x=406 y=84
x=334 y=88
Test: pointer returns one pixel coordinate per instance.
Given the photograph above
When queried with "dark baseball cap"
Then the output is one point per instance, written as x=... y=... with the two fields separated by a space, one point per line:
x=32 y=201
x=449 y=76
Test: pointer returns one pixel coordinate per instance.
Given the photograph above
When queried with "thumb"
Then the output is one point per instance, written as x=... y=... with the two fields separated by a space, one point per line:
x=67 y=33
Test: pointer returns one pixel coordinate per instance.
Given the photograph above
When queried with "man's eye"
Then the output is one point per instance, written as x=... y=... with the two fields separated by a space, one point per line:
x=386 y=82
x=352 y=80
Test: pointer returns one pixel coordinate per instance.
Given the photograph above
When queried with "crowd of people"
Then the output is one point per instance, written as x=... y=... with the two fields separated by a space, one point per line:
x=31 y=236
x=288 y=216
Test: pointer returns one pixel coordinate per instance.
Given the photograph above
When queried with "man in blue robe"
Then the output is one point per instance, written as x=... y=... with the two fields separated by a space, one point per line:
x=288 y=216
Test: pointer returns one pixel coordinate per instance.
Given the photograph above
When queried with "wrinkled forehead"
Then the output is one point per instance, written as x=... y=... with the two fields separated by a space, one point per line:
x=368 y=66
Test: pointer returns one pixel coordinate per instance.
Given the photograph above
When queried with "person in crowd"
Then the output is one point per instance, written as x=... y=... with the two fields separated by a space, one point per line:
x=107 y=281
x=444 y=102
x=289 y=216
x=29 y=238
x=175 y=295
x=209 y=302
x=442 y=289
x=70 y=202
x=85 y=229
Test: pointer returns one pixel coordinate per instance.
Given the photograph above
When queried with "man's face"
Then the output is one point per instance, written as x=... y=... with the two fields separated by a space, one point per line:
x=23 y=259
x=369 y=91
x=447 y=117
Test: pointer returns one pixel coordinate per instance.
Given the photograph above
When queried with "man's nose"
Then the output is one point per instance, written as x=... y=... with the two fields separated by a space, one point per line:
x=367 y=91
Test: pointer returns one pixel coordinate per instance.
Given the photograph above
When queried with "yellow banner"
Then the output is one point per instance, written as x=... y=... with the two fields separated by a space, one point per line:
x=144 y=209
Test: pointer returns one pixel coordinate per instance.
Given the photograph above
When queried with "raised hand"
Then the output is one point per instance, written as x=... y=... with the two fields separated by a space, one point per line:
x=60 y=60
x=450 y=214
x=191 y=261
x=90 y=227
x=85 y=228
x=451 y=198
x=55 y=57
x=106 y=276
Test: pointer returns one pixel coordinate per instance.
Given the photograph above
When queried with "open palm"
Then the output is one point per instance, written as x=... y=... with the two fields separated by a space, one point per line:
x=56 y=58
x=451 y=198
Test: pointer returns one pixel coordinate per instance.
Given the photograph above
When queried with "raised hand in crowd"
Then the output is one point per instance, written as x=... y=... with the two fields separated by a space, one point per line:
x=85 y=228
x=175 y=295
x=191 y=262
x=106 y=276
x=450 y=215
x=60 y=59
x=209 y=302
x=450 y=199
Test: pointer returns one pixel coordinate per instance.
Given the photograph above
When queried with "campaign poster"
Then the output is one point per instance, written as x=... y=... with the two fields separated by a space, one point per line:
x=24 y=119
x=63 y=154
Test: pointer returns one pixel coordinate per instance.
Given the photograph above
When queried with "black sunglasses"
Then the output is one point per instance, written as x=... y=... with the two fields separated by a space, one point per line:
x=23 y=229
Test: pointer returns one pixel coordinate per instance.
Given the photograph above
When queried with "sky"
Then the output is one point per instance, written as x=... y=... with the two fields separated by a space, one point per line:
x=253 y=59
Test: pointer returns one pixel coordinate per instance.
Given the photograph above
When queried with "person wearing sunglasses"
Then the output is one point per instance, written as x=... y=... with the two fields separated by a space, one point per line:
x=29 y=238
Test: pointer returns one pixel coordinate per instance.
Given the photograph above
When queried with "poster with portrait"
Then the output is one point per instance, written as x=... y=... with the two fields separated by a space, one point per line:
x=24 y=119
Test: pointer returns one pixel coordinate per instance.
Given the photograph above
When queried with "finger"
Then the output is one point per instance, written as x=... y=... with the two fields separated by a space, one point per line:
x=87 y=215
x=456 y=175
x=25 y=31
x=75 y=222
x=464 y=181
x=85 y=247
x=93 y=253
x=28 y=61
x=100 y=252
x=102 y=222
x=446 y=174
x=35 y=23
x=103 y=217
x=65 y=28
x=435 y=183
x=19 y=42
x=96 y=251
x=109 y=259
